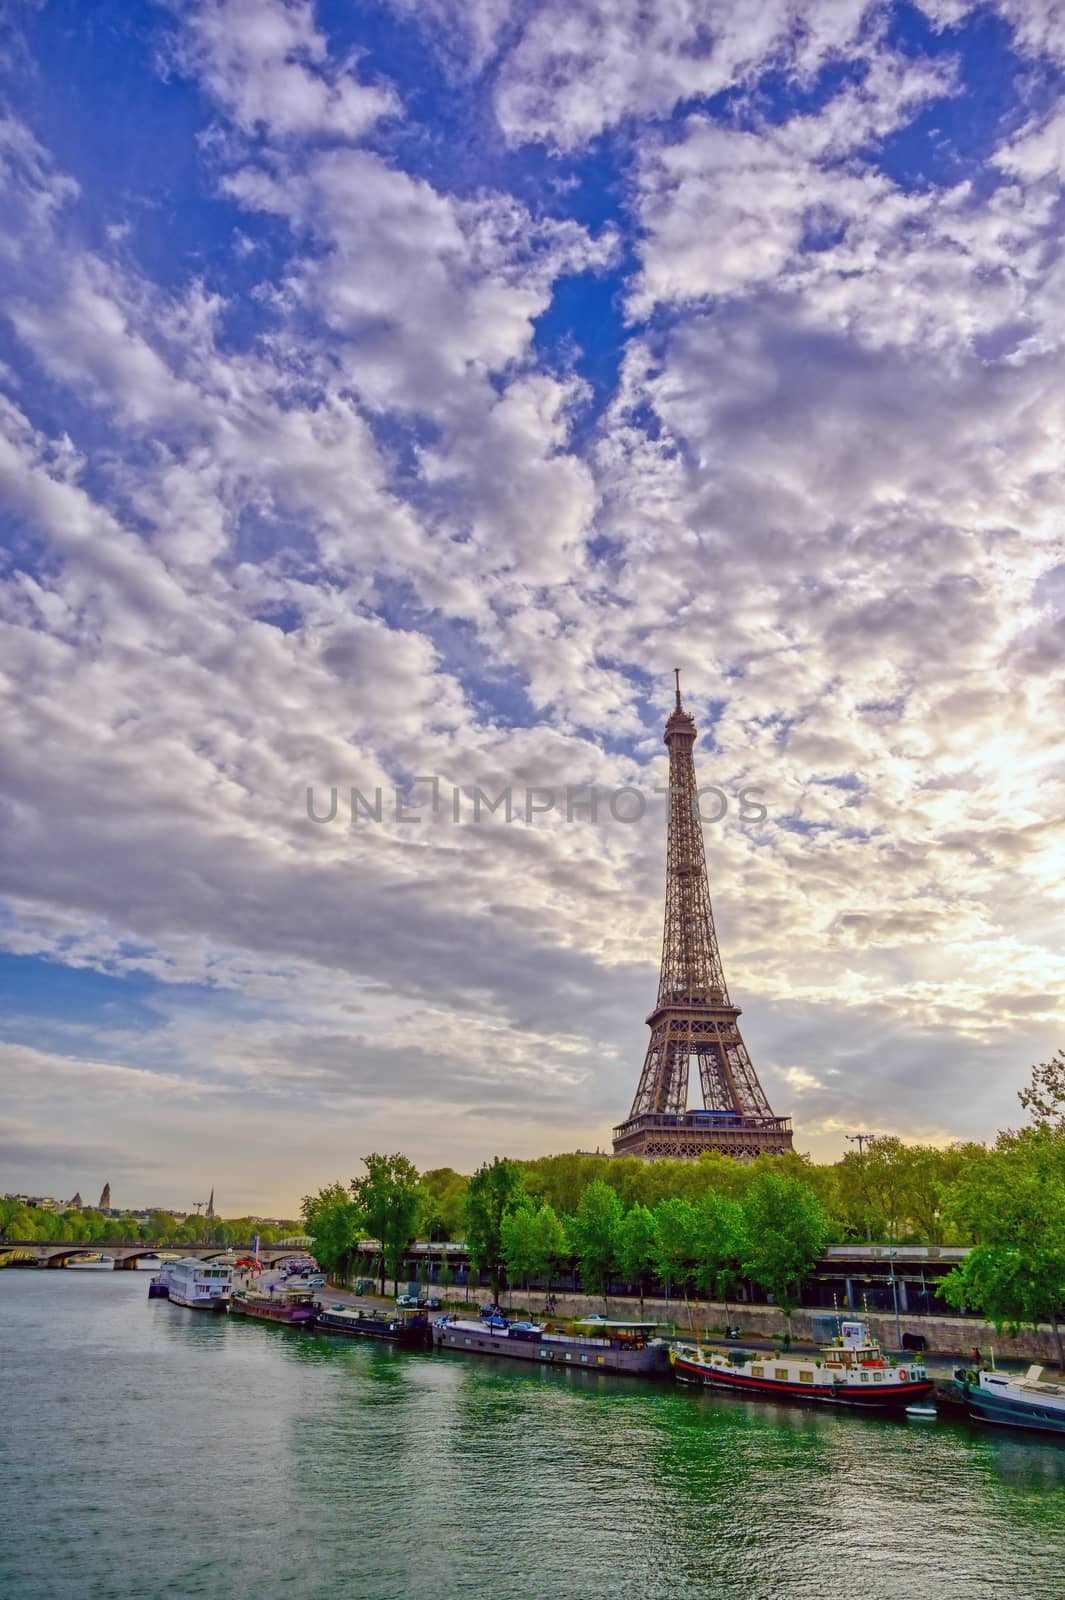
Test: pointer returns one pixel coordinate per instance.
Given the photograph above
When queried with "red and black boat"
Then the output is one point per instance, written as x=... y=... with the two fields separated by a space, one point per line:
x=852 y=1371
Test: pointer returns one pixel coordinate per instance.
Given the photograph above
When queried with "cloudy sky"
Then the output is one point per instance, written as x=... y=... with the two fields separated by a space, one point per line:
x=401 y=389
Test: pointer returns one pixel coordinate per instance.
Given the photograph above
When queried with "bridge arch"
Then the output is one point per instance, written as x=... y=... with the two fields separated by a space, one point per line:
x=18 y=1256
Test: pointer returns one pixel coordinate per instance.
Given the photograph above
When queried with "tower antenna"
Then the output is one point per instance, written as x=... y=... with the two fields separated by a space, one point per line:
x=676 y=674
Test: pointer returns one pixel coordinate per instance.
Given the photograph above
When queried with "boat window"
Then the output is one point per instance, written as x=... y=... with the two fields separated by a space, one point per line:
x=865 y=1377
x=782 y=1374
x=806 y=1377
x=878 y=1377
x=758 y=1372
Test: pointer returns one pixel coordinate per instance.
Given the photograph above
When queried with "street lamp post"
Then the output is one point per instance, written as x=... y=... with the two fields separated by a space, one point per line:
x=895 y=1299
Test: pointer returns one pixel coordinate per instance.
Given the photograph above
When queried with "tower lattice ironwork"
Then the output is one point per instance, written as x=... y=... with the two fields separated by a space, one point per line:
x=694 y=1021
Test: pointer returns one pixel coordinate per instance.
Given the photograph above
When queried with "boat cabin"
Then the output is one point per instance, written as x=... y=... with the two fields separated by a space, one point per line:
x=622 y=1335
x=855 y=1347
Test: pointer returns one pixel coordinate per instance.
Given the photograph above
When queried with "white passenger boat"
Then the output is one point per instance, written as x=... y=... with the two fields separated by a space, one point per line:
x=95 y=1262
x=203 y=1285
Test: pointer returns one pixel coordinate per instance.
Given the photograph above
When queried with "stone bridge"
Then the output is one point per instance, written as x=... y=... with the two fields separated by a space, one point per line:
x=126 y=1256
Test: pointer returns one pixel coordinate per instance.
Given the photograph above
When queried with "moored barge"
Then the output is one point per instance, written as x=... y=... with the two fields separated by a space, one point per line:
x=283 y=1303
x=618 y=1347
x=852 y=1371
x=402 y=1327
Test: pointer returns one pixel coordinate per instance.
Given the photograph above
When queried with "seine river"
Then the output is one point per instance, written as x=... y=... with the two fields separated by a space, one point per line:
x=150 y=1451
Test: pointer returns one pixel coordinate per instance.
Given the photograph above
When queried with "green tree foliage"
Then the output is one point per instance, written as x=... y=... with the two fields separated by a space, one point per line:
x=552 y=1241
x=495 y=1189
x=560 y=1180
x=389 y=1199
x=20 y=1222
x=444 y=1276
x=786 y=1229
x=1044 y=1098
x=1013 y=1203
x=720 y=1245
x=635 y=1245
x=593 y=1235
x=533 y=1241
x=445 y=1191
x=333 y=1221
x=158 y=1228
x=675 y=1242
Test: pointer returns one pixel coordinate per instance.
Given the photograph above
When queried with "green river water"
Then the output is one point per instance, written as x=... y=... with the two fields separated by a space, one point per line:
x=150 y=1451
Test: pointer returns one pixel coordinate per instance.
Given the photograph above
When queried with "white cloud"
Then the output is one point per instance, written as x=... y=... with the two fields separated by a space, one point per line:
x=268 y=66
x=577 y=70
x=361 y=543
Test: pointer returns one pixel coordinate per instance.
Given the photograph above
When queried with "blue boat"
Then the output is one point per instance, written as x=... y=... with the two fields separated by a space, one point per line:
x=1013 y=1400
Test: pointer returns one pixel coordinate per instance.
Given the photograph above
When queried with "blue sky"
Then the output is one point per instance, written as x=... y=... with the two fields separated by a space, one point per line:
x=391 y=390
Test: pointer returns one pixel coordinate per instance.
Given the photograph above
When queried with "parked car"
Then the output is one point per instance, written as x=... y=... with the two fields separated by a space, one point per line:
x=407 y=1300
x=431 y=1303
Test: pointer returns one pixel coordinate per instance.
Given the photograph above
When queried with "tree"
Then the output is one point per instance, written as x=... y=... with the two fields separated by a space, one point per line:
x=786 y=1230
x=518 y=1239
x=674 y=1242
x=635 y=1243
x=1044 y=1099
x=443 y=1277
x=534 y=1242
x=552 y=1242
x=495 y=1189
x=389 y=1200
x=444 y=1189
x=332 y=1219
x=159 y=1228
x=593 y=1233
x=720 y=1243
x=10 y=1220
x=1013 y=1202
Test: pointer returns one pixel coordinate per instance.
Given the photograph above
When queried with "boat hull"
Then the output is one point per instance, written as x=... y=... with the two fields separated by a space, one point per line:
x=157 y=1290
x=894 y=1396
x=213 y=1302
x=1004 y=1411
x=412 y=1335
x=582 y=1355
x=281 y=1315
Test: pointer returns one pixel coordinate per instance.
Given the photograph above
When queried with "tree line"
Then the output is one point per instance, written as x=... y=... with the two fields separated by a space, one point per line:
x=89 y=1226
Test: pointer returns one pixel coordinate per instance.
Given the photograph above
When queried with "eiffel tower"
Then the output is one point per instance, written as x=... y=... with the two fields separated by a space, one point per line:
x=694 y=1019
